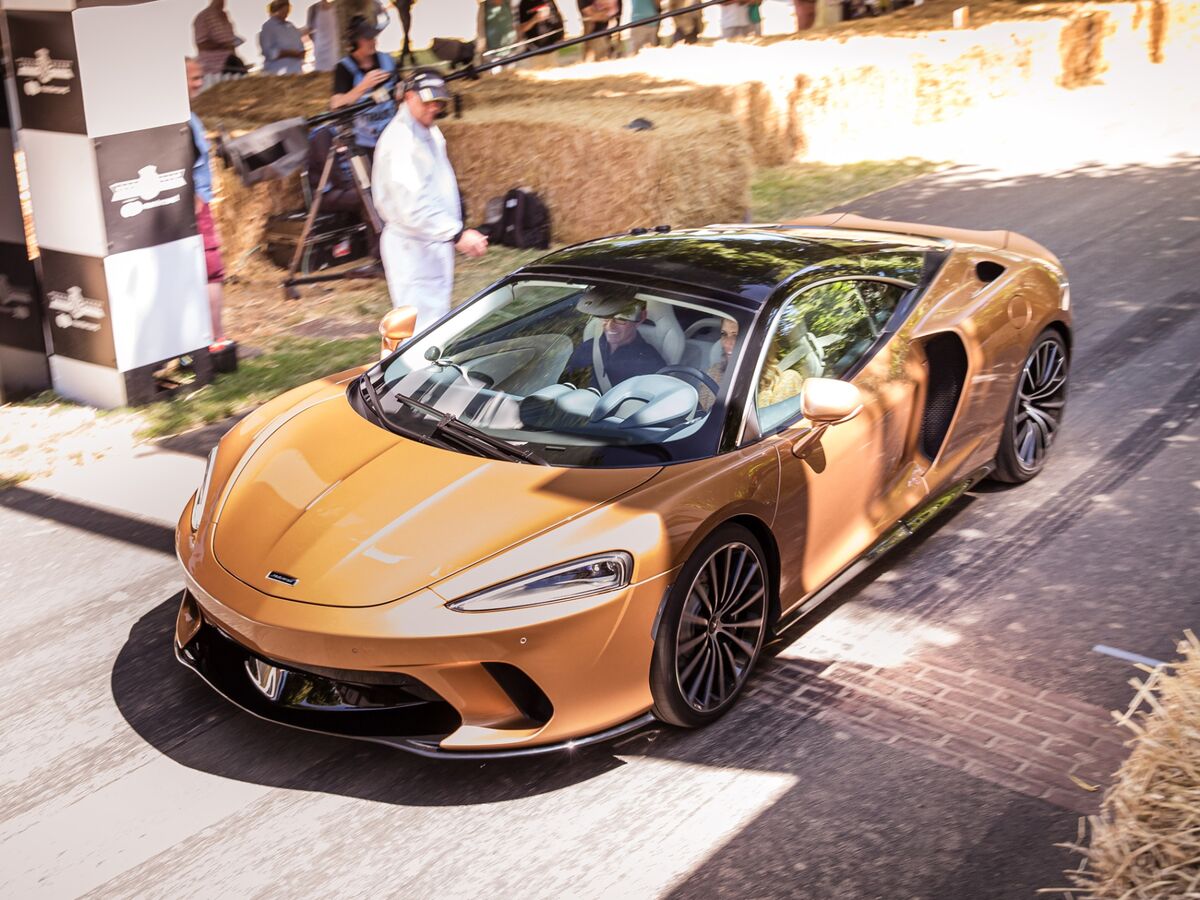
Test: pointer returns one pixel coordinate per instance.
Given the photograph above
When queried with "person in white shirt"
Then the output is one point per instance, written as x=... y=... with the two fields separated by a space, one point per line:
x=416 y=194
x=281 y=42
x=735 y=19
x=322 y=28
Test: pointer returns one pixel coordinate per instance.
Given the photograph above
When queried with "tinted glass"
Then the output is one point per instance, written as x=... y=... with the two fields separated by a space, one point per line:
x=582 y=372
x=821 y=332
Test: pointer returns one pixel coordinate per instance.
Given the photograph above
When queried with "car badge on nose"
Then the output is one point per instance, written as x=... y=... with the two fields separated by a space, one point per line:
x=267 y=678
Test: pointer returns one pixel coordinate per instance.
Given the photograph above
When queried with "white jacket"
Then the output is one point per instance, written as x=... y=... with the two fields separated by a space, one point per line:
x=416 y=195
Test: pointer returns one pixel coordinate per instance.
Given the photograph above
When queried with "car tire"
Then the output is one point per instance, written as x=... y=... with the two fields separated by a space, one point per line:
x=1035 y=412
x=708 y=642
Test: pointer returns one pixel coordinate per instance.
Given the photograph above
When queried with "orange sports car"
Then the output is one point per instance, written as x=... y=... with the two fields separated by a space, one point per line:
x=585 y=498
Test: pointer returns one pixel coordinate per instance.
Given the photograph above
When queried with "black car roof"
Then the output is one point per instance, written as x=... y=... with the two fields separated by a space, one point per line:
x=746 y=261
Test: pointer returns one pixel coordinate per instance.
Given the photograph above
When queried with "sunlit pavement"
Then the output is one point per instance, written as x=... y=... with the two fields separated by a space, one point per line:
x=915 y=738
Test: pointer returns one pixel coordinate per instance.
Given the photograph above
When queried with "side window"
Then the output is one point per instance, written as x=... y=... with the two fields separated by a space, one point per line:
x=821 y=332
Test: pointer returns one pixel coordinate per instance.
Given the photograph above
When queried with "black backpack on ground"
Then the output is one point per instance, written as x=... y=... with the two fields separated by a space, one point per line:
x=525 y=221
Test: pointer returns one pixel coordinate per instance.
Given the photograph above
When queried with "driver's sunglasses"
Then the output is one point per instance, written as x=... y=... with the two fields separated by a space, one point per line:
x=629 y=319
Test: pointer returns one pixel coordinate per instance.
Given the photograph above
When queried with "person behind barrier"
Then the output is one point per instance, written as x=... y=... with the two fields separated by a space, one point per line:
x=360 y=73
x=619 y=352
x=416 y=195
x=215 y=39
x=281 y=42
x=202 y=182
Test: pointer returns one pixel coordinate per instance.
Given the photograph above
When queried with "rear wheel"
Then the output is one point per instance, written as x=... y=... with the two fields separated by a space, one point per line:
x=712 y=629
x=1036 y=411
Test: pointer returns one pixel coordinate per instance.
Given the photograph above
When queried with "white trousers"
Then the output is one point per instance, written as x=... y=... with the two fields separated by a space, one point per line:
x=419 y=274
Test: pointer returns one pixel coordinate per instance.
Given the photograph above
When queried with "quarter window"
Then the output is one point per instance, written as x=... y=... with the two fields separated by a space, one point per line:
x=820 y=333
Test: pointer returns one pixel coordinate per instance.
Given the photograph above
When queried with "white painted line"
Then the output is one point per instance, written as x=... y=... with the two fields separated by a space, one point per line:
x=1126 y=655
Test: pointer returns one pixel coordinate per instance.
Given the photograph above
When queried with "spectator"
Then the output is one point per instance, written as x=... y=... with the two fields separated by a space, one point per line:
x=806 y=14
x=202 y=182
x=495 y=28
x=215 y=39
x=688 y=26
x=321 y=28
x=281 y=42
x=417 y=197
x=644 y=35
x=735 y=20
x=754 y=8
x=599 y=15
x=361 y=73
x=539 y=21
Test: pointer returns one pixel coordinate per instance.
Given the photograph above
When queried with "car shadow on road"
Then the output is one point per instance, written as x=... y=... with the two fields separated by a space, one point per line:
x=177 y=714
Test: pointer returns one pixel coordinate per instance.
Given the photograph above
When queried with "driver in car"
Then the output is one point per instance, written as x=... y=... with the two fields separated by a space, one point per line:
x=620 y=352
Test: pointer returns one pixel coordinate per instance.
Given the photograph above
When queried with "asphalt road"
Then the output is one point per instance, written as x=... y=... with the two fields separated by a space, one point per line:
x=913 y=739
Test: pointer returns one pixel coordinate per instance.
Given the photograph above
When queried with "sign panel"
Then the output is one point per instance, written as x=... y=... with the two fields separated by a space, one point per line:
x=46 y=69
x=20 y=312
x=146 y=186
x=77 y=307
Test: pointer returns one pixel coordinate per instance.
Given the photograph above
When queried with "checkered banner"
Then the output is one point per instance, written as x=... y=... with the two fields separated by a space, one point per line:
x=24 y=369
x=101 y=117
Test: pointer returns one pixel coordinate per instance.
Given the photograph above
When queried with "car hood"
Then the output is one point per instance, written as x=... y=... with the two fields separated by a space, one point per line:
x=359 y=516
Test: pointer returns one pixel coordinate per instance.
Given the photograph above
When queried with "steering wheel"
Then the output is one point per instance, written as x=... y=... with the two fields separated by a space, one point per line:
x=692 y=372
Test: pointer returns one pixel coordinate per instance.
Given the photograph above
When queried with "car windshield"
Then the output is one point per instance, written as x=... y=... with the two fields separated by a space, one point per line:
x=580 y=372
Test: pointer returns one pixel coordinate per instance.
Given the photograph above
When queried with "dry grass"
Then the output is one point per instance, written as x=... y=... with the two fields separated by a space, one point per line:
x=1145 y=844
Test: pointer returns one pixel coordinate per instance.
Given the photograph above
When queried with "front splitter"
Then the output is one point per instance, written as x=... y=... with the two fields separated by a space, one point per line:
x=432 y=749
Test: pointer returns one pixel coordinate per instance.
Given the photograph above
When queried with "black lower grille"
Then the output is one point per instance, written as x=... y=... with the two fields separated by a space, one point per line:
x=336 y=701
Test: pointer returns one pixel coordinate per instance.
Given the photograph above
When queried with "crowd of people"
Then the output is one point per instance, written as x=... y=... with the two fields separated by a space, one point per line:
x=414 y=188
x=503 y=26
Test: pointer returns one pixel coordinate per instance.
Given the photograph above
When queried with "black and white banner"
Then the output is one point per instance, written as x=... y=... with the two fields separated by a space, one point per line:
x=146 y=184
x=46 y=68
x=77 y=307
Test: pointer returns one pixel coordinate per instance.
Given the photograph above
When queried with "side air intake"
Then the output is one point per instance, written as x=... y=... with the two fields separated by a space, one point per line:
x=947 y=374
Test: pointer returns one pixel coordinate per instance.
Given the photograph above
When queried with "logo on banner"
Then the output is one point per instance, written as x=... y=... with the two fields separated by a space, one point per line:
x=144 y=192
x=42 y=71
x=13 y=301
x=75 y=310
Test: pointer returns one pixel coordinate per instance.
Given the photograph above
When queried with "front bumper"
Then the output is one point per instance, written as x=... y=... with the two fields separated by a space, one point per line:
x=509 y=683
x=385 y=708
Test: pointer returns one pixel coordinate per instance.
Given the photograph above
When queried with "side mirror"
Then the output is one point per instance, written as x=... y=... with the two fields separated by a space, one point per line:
x=827 y=401
x=824 y=402
x=396 y=328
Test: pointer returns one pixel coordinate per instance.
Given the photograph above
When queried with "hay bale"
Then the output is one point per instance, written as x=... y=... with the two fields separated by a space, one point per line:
x=241 y=213
x=596 y=176
x=1145 y=844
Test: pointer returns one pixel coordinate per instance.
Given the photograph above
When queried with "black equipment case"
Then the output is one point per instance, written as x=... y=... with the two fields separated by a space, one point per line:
x=336 y=239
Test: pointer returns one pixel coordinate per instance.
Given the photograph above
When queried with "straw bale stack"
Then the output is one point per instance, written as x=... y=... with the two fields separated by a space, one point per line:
x=596 y=176
x=1146 y=842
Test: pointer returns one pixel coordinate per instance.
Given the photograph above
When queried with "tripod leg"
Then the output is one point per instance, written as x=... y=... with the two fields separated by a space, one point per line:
x=302 y=244
x=362 y=187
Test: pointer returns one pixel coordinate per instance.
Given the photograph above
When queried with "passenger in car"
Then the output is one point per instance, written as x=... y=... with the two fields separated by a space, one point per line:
x=776 y=384
x=718 y=370
x=620 y=352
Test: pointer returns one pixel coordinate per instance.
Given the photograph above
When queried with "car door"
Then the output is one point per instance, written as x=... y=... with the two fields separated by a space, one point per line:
x=840 y=492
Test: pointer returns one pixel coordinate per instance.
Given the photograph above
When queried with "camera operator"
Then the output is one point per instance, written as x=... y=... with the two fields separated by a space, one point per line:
x=361 y=73
x=416 y=195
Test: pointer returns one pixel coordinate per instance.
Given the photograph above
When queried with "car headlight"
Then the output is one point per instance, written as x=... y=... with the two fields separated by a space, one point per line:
x=202 y=493
x=581 y=578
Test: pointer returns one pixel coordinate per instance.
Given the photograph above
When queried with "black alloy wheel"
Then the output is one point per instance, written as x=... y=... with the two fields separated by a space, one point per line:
x=712 y=629
x=1036 y=412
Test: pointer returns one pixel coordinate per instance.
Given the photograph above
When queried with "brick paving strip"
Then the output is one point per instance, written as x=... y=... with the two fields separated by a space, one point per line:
x=991 y=727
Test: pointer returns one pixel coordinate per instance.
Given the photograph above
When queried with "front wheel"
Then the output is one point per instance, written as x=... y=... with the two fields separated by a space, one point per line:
x=712 y=629
x=1035 y=414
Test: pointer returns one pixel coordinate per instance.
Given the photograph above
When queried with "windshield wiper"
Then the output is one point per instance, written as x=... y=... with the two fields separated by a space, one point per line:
x=480 y=441
x=449 y=428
